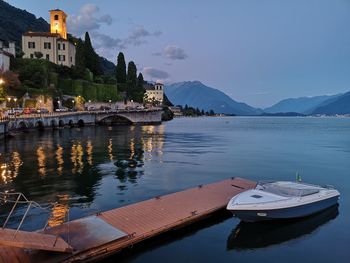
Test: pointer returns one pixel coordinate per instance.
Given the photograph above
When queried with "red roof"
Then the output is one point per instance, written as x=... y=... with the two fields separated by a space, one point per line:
x=41 y=34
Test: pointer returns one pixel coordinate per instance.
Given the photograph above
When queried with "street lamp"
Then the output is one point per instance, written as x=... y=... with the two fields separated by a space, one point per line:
x=40 y=101
x=2 y=81
x=15 y=99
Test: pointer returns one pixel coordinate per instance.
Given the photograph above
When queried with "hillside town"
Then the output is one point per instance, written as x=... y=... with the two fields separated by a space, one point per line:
x=57 y=72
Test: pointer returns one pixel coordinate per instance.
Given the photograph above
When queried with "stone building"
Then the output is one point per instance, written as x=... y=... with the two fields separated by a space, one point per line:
x=5 y=54
x=54 y=45
x=155 y=92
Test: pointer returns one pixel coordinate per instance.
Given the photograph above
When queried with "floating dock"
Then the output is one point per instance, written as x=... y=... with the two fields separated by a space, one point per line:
x=95 y=237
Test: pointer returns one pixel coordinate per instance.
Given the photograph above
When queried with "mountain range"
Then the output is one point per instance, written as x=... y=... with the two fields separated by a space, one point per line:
x=14 y=22
x=304 y=105
x=198 y=95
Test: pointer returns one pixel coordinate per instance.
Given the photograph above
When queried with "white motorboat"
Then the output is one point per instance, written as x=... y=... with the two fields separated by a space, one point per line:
x=282 y=200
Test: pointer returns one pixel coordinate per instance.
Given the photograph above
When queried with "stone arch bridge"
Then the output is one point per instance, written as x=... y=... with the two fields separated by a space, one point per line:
x=52 y=120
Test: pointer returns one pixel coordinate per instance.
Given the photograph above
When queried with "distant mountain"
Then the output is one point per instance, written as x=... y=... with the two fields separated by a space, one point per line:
x=14 y=22
x=197 y=95
x=338 y=105
x=304 y=105
x=283 y=114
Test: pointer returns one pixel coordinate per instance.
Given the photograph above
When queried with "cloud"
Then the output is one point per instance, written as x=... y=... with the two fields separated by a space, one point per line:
x=156 y=54
x=107 y=41
x=138 y=35
x=155 y=73
x=87 y=20
x=106 y=45
x=174 y=52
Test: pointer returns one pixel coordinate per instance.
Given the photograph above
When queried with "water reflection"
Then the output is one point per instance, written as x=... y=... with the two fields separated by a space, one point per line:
x=264 y=234
x=153 y=141
x=110 y=150
x=59 y=159
x=73 y=162
x=89 y=151
x=41 y=161
x=77 y=154
x=59 y=211
x=9 y=168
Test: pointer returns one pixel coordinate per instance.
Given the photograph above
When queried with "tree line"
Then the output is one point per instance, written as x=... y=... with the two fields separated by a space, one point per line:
x=191 y=111
x=130 y=85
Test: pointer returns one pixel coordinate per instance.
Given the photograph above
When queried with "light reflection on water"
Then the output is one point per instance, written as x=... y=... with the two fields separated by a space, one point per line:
x=95 y=169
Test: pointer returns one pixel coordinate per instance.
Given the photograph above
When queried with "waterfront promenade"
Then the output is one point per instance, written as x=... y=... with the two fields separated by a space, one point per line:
x=80 y=118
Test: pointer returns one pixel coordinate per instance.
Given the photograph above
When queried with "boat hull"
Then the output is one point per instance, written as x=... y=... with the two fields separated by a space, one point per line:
x=285 y=213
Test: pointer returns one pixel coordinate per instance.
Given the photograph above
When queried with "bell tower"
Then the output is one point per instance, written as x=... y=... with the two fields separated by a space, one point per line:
x=58 y=22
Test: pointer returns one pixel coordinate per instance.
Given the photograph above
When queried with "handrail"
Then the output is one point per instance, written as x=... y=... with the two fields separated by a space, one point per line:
x=72 y=113
x=4 y=196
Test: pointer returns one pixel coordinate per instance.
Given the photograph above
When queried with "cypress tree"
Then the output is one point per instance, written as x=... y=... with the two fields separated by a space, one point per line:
x=80 y=59
x=131 y=80
x=121 y=69
x=140 y=89
x=92 y=60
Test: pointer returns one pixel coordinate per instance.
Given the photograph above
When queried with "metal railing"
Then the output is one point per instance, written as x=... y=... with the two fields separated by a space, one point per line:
x=72 y=113
x=19 y=198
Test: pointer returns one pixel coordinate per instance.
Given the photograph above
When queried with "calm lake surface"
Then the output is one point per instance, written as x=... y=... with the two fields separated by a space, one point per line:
x=95 y=169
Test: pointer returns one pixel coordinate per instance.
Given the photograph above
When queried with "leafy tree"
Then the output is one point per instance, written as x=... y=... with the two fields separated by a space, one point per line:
x=92 y=60
x=121 y=69
x=211 y=113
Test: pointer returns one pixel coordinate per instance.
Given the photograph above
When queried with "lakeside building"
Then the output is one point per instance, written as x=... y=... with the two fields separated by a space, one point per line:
x=155 y=92
x=6 y=52
x=54 y=45
x=176 y=110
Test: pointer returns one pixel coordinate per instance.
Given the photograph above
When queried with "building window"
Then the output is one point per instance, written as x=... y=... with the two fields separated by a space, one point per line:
x=59 y=46
x=31 y=56
x=71 y=59
x=47 y=56
x=31 y=44
x=63 y=46
x=56 y=17
x=47 y=45
x=61 y=58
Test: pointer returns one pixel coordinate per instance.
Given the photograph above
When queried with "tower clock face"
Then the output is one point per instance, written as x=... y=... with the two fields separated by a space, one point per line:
x=56 y=25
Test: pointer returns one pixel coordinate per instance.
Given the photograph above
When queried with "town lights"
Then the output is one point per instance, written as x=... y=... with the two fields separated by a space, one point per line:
x=2 y=81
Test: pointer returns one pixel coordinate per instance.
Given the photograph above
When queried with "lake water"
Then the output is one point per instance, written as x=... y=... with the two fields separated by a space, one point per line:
x=95 y=169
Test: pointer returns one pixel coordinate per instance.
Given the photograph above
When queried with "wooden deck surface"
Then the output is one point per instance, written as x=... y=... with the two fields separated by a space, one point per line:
x=33 y=240
x=93 y=239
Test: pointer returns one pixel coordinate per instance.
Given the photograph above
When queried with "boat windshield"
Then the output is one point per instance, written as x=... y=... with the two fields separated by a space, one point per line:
x=289 y=189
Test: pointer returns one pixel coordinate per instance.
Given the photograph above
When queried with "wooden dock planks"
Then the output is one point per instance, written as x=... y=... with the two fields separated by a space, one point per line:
x=33 y=240
x=139 y=221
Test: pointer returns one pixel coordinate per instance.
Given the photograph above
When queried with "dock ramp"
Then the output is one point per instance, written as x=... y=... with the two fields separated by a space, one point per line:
x=33 y=240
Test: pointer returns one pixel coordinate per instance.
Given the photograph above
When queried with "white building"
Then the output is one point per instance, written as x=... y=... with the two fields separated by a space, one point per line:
x=155 y=92
x=5 y=55
x=54 y=45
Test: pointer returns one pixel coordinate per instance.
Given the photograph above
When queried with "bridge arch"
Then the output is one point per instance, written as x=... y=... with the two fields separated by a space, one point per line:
x=81 y=123
x=71 y=123
x=22 y=125
x=114 y=119
x=53 y=123
x=61 y=123
x=39 y=125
